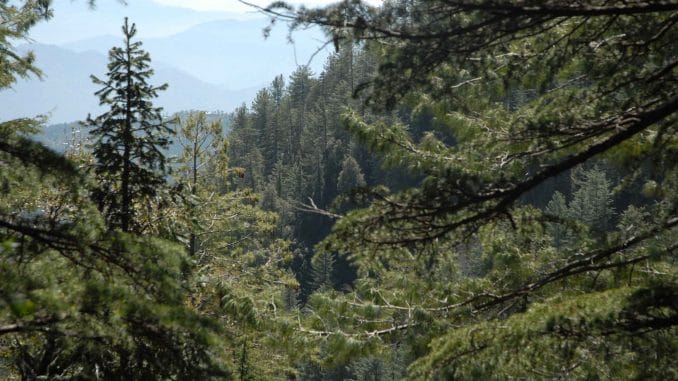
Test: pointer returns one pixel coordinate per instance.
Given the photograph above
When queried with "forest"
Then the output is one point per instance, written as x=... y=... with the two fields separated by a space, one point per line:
x=468 y=190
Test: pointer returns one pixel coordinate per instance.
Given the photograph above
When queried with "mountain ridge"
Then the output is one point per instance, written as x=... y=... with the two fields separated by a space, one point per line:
x=241 y=63
x=67 y=77
x=203 y=70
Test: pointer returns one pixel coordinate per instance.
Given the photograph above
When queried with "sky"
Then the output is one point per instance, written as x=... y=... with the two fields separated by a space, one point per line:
x=232 y=56
x=74 y=20
x=232 y=5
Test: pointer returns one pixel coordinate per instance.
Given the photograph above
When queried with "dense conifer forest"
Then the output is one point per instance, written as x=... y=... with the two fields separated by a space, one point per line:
x=469 y=190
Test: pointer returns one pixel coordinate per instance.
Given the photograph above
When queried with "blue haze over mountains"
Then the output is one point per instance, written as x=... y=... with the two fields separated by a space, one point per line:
x=213 y=64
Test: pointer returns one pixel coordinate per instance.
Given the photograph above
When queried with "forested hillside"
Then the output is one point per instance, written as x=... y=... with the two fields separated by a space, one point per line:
x=295 y=151
x=469 y=190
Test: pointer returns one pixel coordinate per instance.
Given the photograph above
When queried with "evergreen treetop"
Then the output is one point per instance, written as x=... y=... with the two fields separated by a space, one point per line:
x=130 y=137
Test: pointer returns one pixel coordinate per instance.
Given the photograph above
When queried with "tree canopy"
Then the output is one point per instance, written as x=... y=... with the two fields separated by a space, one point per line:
x=470 y=189
x=128 y=138
x=520 y=95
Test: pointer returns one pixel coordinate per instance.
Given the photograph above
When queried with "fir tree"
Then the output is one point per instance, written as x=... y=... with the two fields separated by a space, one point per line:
x=322 y=271
x=243 y=150
x=79 y=301
x=526 y=92
x=299 y=89
x=266 y=129
x=558 y=210
x=350 y=176
x=201 y=140
x=130 y=136
x=592 y=199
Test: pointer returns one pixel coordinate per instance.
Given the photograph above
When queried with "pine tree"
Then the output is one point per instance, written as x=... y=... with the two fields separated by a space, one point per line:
x=558 y=210
x=201 y=140
x=264 y=123
x=312 y=159
x=243 y=150
x=322 y=271
x=130 y=136
x=80 y=301
x=590 y=207
x=529 y=91
x=370 y=369
x=17 y=19
x=350 y=176
x=299 y=89
x=592 y=199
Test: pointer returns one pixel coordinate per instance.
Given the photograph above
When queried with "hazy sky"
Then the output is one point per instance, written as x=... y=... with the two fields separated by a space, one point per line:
x=232 y=5
x=231 y=56
x=74 y=20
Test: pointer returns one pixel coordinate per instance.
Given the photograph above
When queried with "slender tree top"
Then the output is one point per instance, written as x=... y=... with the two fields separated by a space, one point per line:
x=129 y=138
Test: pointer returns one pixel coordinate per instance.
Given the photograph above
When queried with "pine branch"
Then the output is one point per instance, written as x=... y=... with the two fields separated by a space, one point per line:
x=495 y=202
x=32 y=325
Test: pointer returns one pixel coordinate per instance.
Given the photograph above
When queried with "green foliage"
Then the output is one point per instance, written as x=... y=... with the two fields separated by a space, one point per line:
x=202 y=144
x=78 y=300
x=505 y=100
x=571 y=339
x=591 y=200
x=557 y=208
x=130 y=137
x=350 y=176
x=241 y=279
x=589 y=212
x=17 y=19
x=322 y=269
x=294 y=150
x=478 y=113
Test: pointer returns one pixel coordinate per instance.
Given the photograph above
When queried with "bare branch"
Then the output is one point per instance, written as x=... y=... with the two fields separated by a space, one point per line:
x=313 y=208
x=29 y=325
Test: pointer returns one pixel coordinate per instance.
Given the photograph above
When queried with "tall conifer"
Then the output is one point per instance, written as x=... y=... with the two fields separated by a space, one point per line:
x=130 y=136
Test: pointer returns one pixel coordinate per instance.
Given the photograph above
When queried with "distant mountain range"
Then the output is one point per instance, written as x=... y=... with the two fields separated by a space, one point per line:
x=67 y=94
x=205 y=66
x=230 y=53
